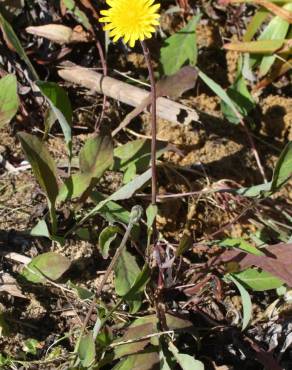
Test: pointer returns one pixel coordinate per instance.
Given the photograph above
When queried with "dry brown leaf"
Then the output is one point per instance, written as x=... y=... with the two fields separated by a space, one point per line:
x=9 y=285
x=277 y=261
x=276 y=72
x=173 y=86
x=60 y=34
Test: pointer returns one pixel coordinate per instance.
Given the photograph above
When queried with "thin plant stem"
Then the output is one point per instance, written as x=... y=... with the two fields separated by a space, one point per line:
x=153 y=150
x=153 y=123
x=255 y=152
x=53 y=218
x=104 y=67
x=100 y=288
x=135 y=216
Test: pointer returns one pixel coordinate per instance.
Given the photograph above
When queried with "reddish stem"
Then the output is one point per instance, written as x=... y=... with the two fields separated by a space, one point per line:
x=153 y=123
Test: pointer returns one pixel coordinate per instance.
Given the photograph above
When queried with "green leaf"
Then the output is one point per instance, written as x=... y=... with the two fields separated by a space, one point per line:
x=283 y=169
x=74 y=186
x=47 y=265
x=43 y=165
x=80 y=291
x=84 y=233
x=4 y=361
x=12 y=38
x=241 y=244
x=31 y=345
x=139 y=283
x=217 y=89
x=96 y=155
x=95 y=158
x=147 y=360
x=86 y=350
x=255 y=23
x=186 y=362
x=276 y=30
x=9 y=101
x=135 y=157
x=106 y=237
x=130 y=173
x=125 y=192
x=41 y=229
x=180 y=48
x=49 y=121
x=282 y=174
x=240 y=96
x=246 y=301
x=133 y=296
x=61 y=108
x=129 y=152
x=151 y=213
x=144 y=326
x=114 y=212
x=185 y=243
x=163 y=361
x=255 y=191
x=126 y=272
x=79 y=14
x=58 y=97
x=257 y=280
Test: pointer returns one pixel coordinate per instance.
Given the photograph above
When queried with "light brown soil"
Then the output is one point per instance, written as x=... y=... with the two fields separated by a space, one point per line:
x=277 y=117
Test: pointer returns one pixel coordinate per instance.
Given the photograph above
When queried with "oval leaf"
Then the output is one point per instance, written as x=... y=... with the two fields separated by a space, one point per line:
x=106 y=237
x=185 y=361
x=96 y=155
x=95 y=158
x=126 y=272
x=180 y=48
x=47 y=265
x=9 y=101
x=86 y=350
x=61 y=108
x=257 y=280
x=43 y=165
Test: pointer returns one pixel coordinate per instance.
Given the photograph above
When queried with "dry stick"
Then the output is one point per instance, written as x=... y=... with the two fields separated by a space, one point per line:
x=127 y=94
x=135 y=216
x=252 y=144
x=255 y=152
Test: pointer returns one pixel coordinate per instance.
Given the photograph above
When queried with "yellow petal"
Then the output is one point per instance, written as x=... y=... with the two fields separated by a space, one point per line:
x=130 y=19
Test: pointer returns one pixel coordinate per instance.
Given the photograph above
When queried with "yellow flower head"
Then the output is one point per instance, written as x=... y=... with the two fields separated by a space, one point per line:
x=130 y=19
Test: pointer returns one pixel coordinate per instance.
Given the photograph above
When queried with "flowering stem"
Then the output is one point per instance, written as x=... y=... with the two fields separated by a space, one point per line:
x=153 y=150
x=153 y=123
